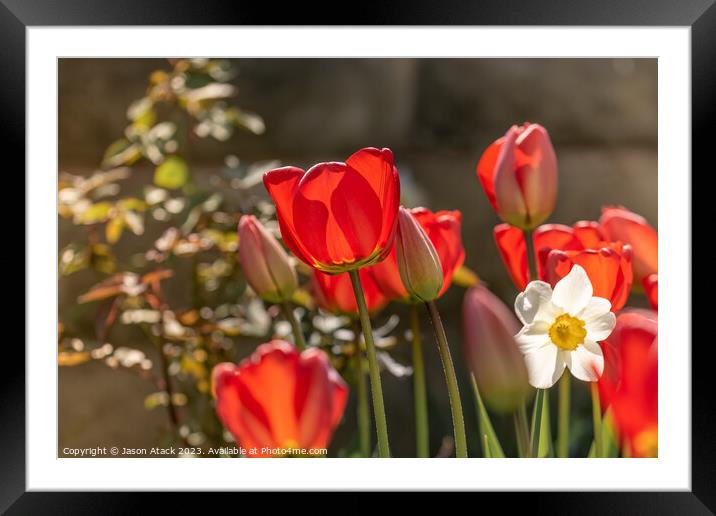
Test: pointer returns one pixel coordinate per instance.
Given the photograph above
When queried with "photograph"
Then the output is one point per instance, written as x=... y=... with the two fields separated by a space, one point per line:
x=358 y=257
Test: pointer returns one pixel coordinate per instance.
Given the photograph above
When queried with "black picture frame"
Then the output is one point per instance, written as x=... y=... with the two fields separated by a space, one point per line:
x=700 y=15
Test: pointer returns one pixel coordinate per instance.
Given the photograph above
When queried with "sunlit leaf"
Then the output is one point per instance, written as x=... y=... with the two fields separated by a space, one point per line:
x=113 y=229
x=72 y=358
x=464 y=277
x=173 y=173
x=121 y=152
x=74 y=258
x=96 y=213
x=485 y=425
x=304 y=298
x=132 y=203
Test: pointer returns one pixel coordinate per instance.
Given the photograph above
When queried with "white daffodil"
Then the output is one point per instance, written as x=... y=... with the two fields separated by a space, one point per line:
x=562 y=328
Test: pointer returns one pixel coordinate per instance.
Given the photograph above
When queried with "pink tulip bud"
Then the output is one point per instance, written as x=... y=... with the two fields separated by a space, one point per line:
x=519 y=175
x=492 y=353
x=418 y=262
x=265 y=264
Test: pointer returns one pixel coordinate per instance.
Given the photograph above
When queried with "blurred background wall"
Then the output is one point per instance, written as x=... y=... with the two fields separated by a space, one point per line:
x=437 y=115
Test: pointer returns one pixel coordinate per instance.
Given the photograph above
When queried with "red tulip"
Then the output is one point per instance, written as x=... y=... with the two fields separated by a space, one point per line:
x=558 y=247
x=651 y=287
x=279 y=398
x=334 y=292
x=492 y=354
x=443 y=230
x=622 y=225
x=519 y=175
x=630 y=380
x=338 y=216
x=265 y=264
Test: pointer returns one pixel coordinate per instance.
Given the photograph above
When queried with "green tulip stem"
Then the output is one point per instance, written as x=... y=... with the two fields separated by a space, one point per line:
x=458 y=420
x=376 y=389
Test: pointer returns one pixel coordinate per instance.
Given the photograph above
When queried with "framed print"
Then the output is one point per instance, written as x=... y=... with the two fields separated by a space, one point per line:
x=377 y=247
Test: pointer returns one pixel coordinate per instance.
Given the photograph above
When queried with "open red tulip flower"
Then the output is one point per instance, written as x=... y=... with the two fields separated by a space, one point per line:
x=519 y=175
x=334 y=292
x=278 y=399
x=629 y=384
x=338 y=216
x=558 y=247
x=443 y=230
x=619 y=224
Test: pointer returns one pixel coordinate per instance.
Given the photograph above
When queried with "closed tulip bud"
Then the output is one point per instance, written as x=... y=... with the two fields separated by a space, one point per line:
x=519 y=175
x=418 y=262
x=491 y=350
x=265 y=264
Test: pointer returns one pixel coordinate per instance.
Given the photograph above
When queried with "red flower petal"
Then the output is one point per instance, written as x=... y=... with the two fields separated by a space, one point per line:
x=622 y=225
x=552 y=236
x=334 y=292
x=486 y=170
x=511 y=245
x=280 y=398
x=282 y=184
x=651 y=287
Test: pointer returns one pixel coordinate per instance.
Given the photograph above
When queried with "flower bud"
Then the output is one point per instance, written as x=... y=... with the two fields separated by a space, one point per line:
x=491 y=350
x=418 y=262
x=519 y=175
x=265 y=264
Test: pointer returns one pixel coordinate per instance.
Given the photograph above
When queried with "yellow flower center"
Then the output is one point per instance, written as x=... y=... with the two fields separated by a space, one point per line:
x=567 y=332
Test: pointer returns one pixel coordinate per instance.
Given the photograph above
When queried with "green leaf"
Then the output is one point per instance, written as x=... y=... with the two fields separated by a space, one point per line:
x=609 y=437
x=173 y=173
x=121 y=152
x=114 y=229
x=540 y=445
x=96 y=213
x=493 y=448
x=545 y=448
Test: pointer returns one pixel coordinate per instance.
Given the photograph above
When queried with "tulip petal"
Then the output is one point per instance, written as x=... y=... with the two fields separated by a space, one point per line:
x=281 y=184
x=622 y=225
x=651 y=287
x=513 y=251
x=486 y=170
x=508 y=191
x=552 y=236
x=377 y=167
x=573 y=292
x=311 y=398
x=589 y=234
x=586 y=362
x=536 y=172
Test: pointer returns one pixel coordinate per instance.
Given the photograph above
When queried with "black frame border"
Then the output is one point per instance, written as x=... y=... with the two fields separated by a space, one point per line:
x=700 y=15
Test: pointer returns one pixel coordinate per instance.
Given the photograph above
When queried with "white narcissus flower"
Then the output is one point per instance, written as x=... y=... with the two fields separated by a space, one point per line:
x=562 y=328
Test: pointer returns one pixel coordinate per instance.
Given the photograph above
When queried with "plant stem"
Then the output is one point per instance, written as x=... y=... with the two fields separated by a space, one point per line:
x=381 y=426
x=597 y=420
x=536 y=423
x=531 y=258
x=458 y=420
x=522 y=431
x=362 y=394
x=419 y=390
x=171 y=408
x=295 y=326
x=563 y=421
